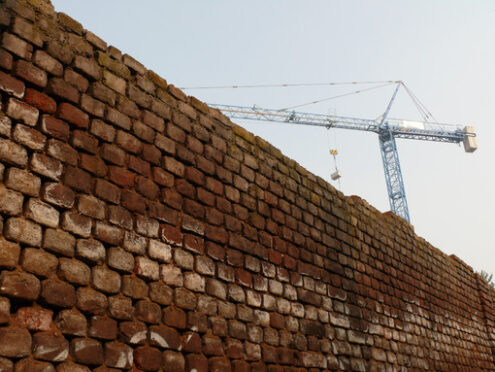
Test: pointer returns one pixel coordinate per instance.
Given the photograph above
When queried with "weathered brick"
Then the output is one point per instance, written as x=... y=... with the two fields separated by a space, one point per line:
x=147 y=358
x=19 y=110
x=108 y=234
x=107 y=191
x=120 y=260
x=29 y=72
x=62 y=151
x=22 y=181
x=74 y=271
x=76 y=224
x=34 y=318
x=147 y=312
x=19 y=285
x=10 y=201
x=90 y=250
x=59 y=241
x=91 y=301
x=5 y=126
x=29 y=137
x=120 y=307
x=146 y=268
x=73 y=115
x=78 y=179
x=48 y=63
x=17 y=46
x=103 y=327
x=114 y=82
x=10 y=85
x=58 y=293
x=93 y=106
x=54 y=127
x=42 y=213
x=87 y=351
x=88 y=66
x=14 y=342
x=105 y=280
x=102 y=93
x=77 y=80
x=57 y=194
x=62 y=89
x=118 y=118
x=118 y=355
x=27 y=31
x=12 y=153
x=23 y=231
x=60 y=52
x=71 y=322
x=50 y=347
x=91 y=206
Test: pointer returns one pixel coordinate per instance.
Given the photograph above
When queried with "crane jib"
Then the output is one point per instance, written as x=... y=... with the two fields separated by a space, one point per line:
x=387 y=129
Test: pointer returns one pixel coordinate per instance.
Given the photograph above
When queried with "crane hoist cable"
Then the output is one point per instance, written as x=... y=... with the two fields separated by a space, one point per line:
x=287 y=85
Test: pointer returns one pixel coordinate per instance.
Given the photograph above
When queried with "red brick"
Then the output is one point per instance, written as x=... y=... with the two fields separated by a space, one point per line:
x=148 y=312
x=87 y=351
x=11 y=85
x=113 y=154
x=40 y=101
x=196 y=362
x=103 y=327
x=55 y=127
x=34 y=318
x=78 y=179
x=148 y=358
x=147 y=188
x=151 y=154
x=174 y=317
x=58 y=293
x=173 y=361
x=172 y=198
x=93 y=164
x=219 y=364
x=73 y=115
x=121 y=177
x=31 y=73
x=64 y=90
x=140 y=166
x=85 y=141
x=107 y=191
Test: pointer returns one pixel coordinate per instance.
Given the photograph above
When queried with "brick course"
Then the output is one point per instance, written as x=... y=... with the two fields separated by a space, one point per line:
x=142 y=230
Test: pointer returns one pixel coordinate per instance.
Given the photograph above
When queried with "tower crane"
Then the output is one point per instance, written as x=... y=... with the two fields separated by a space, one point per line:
x=387 y=129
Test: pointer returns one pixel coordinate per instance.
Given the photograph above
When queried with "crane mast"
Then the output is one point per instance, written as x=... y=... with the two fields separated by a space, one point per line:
x=387 y=129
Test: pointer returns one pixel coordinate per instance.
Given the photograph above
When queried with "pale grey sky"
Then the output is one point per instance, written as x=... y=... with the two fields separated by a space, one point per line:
x=442 y=49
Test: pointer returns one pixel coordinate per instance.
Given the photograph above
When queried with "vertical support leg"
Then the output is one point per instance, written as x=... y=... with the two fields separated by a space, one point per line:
x=393 y=175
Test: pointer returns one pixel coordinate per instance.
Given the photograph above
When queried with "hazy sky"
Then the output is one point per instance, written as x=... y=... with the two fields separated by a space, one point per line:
x=442 y=49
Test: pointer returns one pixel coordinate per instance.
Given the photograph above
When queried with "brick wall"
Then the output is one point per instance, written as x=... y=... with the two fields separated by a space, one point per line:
x=144 y=231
